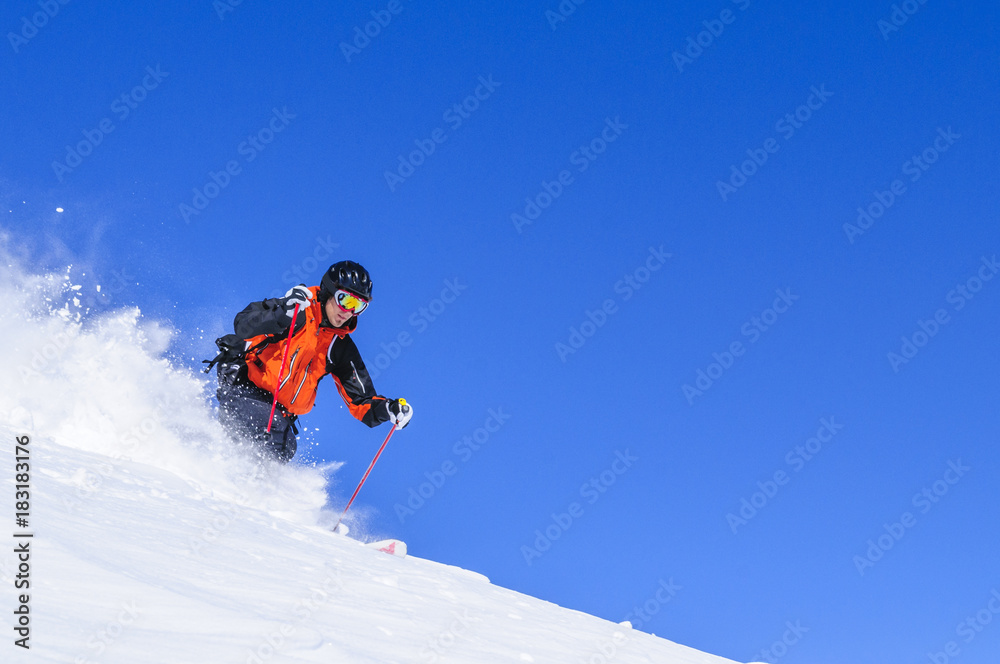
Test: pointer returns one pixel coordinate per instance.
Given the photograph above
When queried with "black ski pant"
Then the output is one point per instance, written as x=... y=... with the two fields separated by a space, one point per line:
x=243 y=411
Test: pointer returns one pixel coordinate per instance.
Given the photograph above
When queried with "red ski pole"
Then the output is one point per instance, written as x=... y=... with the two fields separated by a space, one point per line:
x=370 y=466
x=284 y=356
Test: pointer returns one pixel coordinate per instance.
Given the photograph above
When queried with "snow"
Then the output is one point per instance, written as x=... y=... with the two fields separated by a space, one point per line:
x=158 y=540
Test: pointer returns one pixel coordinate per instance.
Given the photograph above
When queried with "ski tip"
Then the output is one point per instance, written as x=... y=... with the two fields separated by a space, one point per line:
x=393 y=547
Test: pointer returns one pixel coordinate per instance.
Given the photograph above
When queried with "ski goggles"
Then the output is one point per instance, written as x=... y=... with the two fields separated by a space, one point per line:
x=349 y=302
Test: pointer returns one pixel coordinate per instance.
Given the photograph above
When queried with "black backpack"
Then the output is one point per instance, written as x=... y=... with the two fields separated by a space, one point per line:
x=232 y=355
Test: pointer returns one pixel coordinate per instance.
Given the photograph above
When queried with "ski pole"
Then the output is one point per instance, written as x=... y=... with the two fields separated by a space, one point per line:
x=365 y=477
x=284 y=356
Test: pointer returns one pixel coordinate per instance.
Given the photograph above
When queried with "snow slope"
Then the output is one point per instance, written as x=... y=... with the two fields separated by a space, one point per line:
x=156 y=540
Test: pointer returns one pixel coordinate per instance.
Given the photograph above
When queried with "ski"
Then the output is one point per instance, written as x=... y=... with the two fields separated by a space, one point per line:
x=394 y=547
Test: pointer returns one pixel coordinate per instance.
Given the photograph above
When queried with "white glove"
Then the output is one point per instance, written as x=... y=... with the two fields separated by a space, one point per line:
x=299 y=295
x=400 y=412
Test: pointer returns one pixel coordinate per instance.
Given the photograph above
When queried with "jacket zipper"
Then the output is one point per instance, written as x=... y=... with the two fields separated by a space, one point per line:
x=291 y=365
x=301 y=383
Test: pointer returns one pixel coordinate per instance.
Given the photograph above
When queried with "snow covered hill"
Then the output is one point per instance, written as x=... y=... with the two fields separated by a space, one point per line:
x=154 y=540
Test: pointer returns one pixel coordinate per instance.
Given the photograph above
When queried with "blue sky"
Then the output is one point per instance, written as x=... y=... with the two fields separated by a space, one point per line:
x=622 y=145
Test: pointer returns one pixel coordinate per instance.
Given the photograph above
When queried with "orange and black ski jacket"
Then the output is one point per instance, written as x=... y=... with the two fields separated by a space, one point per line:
x=317 y=349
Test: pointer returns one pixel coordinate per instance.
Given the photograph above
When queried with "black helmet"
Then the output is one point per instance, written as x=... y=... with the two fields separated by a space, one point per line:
x=349 y=276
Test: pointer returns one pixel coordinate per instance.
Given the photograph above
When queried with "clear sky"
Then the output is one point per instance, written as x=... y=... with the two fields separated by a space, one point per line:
x=620 y=271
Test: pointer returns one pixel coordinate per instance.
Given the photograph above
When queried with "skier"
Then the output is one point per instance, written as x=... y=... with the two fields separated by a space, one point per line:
x=250 y=361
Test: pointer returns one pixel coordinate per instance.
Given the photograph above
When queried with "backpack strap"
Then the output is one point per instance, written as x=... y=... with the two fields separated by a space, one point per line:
x=232 y=350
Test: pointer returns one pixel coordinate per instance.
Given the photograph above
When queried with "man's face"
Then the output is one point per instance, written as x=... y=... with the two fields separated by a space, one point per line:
x=335 y=314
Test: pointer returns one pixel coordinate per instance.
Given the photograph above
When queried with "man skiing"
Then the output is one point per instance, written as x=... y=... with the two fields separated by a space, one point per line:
x=251 y=359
